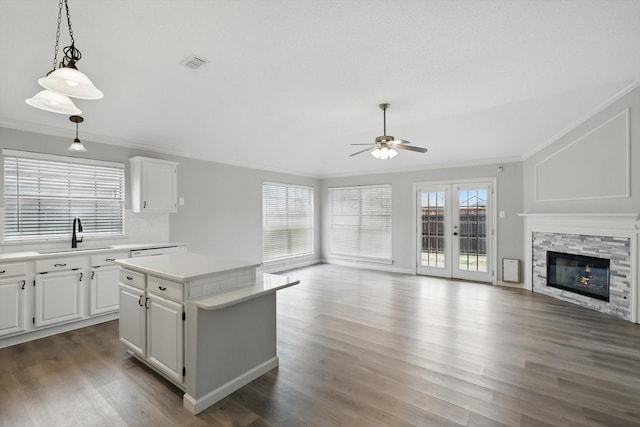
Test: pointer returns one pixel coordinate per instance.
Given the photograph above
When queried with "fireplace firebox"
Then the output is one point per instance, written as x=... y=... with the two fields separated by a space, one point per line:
x=584 y=275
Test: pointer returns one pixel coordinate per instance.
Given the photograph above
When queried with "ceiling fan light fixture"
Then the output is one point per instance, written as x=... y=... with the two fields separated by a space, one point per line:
x=383 y=147
x=384 y=153
x=53 y=102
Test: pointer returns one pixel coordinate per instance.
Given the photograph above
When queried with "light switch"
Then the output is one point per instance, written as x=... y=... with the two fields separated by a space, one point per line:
x=502 y=214
x=181 y=201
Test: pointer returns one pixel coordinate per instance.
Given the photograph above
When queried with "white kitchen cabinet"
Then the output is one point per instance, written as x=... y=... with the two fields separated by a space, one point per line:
x=133 y=319
x=104 y=281
x=151 y=325
x=12 y=308
x=58 y=297
x=165 y=340
x=103 y=290
x=154 y=185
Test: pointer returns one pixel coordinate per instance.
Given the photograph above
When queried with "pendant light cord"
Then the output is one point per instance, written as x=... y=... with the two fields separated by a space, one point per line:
x=70 y=52
x=55 y=53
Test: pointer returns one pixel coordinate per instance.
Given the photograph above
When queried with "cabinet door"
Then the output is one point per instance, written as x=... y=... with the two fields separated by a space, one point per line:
x=12 y=306
x=103 y=289
x=159 y=189
x=133 y=319
x=165 y=336
x=58 y=297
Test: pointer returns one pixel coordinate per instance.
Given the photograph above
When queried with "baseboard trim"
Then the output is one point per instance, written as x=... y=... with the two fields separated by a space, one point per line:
x=35 y=334
x=510 y=284
x=195 y=406
x=369 y=266
x=277 y=267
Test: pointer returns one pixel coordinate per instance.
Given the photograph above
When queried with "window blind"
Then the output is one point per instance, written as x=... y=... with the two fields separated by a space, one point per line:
x=287 y=221
x=43 y=193
x=361 y=222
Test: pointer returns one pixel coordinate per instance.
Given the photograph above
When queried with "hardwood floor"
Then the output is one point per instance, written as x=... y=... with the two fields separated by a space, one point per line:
x=361 y=348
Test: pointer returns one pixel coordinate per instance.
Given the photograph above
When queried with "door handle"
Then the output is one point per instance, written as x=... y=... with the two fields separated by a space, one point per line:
x=455 y=233
x=140 y=300
x=146 y=305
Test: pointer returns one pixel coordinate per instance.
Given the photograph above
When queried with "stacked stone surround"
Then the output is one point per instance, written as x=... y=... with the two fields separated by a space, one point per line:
x=617 y=249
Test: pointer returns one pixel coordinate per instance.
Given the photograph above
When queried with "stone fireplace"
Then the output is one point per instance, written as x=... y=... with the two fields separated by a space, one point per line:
x=589 y=260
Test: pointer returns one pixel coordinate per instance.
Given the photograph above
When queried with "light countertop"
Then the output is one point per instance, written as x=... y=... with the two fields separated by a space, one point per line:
x=31 y=255
x=184 y=266
x=265 y=284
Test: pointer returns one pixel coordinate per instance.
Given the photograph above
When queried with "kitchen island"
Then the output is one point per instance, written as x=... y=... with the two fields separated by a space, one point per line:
x=207 y=324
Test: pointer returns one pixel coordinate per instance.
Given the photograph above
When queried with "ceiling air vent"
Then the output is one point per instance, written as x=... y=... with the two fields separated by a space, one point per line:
x=194 y=62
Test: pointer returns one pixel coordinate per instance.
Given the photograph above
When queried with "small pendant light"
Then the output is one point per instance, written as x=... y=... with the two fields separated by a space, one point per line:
x=76 y=145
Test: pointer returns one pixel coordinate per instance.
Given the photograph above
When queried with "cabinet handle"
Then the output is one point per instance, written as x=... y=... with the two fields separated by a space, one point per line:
x=145 y=205
x=93 y=273
x=162 y=288
x=60 y=265
x=81 y=274
x=24 y=282
x=3 y=271
x=129 y=278
x=140 y=301
x=109 y=259
x=146 y=305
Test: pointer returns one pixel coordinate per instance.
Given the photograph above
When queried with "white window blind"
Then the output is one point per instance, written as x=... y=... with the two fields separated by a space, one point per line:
x=287 y=221
x=361 y=222
x=43 y=193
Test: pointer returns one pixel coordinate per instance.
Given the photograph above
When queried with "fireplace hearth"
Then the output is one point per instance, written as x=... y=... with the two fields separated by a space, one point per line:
x=584 y=275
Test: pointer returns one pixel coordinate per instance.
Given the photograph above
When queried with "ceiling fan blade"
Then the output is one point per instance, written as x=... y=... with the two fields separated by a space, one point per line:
x=411 y=148
x=400 y=141
x=360 y=152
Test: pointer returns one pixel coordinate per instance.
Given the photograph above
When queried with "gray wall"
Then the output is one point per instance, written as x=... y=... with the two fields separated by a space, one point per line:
x=593 y=150
x=222 y=214
x=510 y=232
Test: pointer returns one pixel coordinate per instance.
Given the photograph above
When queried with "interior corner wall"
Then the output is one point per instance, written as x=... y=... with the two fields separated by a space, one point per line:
x=594 y=150
x=222 y=213
x=510 y=230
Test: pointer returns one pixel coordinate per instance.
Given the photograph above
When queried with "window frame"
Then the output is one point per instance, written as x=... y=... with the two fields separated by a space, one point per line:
x=359 y=256
x=311 y=218
x=65 y=162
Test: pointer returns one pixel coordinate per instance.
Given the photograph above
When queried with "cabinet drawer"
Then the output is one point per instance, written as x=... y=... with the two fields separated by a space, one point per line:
x=13 y=269
x=132 y=278
x=107 y=259
x=165 y=288
x=62 y=263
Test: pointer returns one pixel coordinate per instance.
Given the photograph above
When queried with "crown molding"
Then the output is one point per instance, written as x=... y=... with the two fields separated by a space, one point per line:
x=102 y=139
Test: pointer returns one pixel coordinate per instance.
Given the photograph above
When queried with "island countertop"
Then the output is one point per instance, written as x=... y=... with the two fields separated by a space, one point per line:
x=184 y=266
x=265 y=284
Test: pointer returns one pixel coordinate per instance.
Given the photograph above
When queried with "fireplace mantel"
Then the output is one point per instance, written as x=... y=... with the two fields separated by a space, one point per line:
x=589 y=224
x=591 y=221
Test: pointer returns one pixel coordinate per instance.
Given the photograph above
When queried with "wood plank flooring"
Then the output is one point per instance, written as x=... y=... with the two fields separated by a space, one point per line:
x=361 y=348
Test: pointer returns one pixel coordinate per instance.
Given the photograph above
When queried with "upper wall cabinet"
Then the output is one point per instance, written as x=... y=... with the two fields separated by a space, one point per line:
x=154 y=185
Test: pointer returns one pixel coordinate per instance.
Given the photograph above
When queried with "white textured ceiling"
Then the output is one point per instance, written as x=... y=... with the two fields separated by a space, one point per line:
x=289 y=84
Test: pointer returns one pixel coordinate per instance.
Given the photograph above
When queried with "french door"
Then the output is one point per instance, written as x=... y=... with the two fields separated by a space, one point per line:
x=455 y=230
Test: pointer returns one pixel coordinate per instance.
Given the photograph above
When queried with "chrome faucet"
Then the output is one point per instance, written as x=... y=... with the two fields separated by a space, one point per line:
x=74 y=237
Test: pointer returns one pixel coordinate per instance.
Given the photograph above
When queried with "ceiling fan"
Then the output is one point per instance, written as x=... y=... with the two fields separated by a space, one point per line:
x=383 y=147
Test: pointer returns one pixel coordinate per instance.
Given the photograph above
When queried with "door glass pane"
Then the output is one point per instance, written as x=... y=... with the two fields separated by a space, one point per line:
x=472 y=214
x=432 y=208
